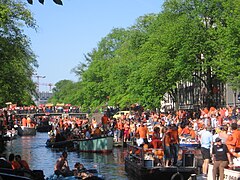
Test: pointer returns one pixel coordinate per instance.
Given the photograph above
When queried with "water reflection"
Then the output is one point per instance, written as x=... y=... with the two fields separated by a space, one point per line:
x=33 y=150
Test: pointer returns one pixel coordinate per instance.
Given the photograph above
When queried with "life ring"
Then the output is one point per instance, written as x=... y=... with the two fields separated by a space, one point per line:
x=177 y=174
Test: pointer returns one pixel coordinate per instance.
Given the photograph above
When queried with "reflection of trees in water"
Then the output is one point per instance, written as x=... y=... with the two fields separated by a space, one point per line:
x=22 y=147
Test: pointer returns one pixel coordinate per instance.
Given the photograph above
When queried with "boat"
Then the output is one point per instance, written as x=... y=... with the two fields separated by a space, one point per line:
x=96 y=176
x=141 y=164
x=12 y=174
x=102 y=144
x=60 y=144
x=10 y=135
x=188 y=143
x=26 y=131
x=44 y=128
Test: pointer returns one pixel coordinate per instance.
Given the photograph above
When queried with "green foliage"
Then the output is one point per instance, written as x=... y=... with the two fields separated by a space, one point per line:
x=59 y=2
x=143 y=62
x=16 y=57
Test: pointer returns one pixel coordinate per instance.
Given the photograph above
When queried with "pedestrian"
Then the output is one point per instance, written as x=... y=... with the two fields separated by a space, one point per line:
x=206 y=142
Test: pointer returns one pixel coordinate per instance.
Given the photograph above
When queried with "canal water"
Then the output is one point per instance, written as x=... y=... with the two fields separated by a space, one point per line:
x=33 y=150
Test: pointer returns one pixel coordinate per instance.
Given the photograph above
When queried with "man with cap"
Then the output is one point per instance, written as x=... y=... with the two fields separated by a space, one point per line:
x=221 y=158
x=206 y=142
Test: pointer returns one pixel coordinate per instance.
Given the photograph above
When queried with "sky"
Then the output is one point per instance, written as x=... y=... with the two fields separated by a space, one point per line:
x=65 y=33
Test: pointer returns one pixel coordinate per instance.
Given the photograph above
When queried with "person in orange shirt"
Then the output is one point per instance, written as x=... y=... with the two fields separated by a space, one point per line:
x=166 y=145
x=15 y=164
x=97 y=132
x=233 y=140
x=119 y=129
x=185 y=131
x=61 y=123
x=180 y=129
x=192 y=132
x=24 y=122
x=24 y=165
x=142 y=130
x=174 y=147
x=104 y=123
x=156 y=142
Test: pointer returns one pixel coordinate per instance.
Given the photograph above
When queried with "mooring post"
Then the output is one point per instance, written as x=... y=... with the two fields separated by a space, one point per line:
x=193 y=177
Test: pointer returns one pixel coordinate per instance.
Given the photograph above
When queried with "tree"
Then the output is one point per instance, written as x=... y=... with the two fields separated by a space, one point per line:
x=16 y=57
x=195 y=39
x=59 y=2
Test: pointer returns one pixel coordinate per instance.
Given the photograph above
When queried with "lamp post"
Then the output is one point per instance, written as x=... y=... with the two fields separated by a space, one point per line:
x=235 y=98
x=38 y=89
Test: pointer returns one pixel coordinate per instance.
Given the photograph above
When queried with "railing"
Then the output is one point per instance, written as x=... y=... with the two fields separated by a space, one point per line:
x=141 y=154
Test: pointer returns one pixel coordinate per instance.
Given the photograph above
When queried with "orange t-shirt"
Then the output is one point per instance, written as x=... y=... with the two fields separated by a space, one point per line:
x=185 y=131
x=143 y=131
x=192 y=133
x=24 y=122
x=180 y=130
x=15 y=165
x=24 y=164
x=119 y=125
x=233 y=140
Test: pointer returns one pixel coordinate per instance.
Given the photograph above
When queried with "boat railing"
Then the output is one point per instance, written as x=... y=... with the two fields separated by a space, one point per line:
x=151 y=157
x=144 y=155
x=135 y=152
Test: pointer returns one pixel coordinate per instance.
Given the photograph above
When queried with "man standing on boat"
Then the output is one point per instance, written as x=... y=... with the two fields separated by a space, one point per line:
x=174 y=146
x=142 y=130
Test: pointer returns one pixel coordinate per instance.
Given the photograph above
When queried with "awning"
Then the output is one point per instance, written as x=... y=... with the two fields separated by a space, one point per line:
x=60 y=104
x=49 y=105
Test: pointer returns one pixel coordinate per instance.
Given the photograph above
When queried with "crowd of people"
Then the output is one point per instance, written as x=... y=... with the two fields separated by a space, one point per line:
x=14 y=162
x=216 y=130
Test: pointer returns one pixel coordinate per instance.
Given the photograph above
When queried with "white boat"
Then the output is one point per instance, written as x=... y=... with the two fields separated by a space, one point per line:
x=26 y=131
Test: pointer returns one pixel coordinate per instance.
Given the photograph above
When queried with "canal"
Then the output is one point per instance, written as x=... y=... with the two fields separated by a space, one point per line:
x=33 y=150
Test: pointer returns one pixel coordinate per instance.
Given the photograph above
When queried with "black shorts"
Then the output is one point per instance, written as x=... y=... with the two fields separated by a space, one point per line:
x=205 y=153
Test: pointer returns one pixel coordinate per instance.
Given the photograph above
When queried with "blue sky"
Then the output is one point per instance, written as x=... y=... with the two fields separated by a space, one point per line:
x=68 y=32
